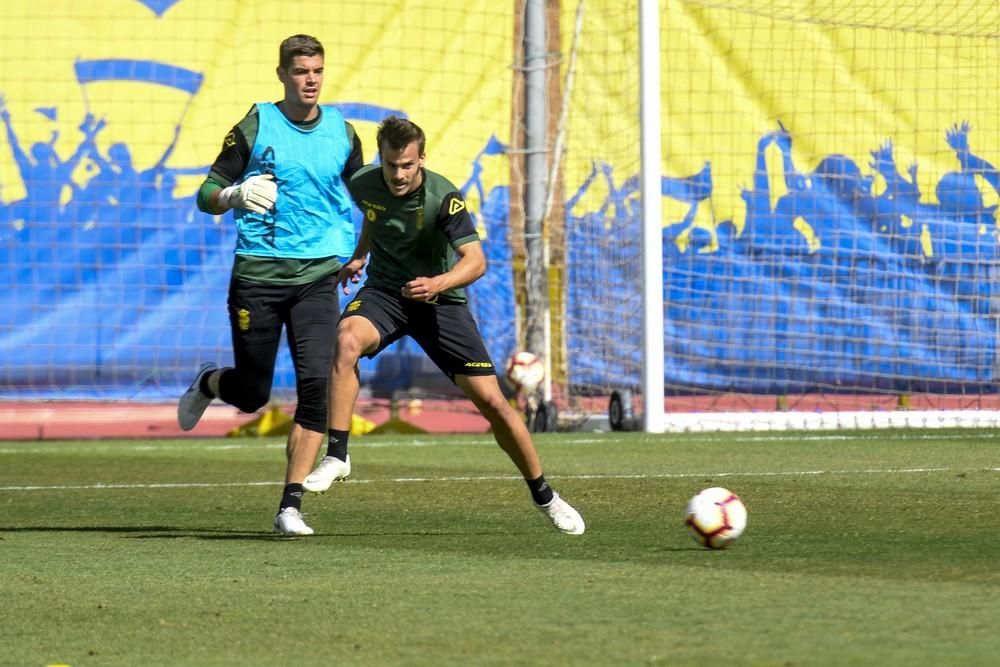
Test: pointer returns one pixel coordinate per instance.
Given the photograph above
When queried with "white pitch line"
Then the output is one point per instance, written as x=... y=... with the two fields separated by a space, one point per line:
x=163 y=485
x=494 y=478
x=36 y=447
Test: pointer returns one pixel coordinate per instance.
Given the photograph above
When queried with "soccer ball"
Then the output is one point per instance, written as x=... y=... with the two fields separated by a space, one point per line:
x=525 y=371
x=716 y=517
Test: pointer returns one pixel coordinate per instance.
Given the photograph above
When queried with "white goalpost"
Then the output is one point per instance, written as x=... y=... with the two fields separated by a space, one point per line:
x=783 y=218
x=652 y=255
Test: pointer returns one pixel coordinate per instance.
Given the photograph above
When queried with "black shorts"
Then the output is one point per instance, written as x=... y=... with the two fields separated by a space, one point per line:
x=447 y=332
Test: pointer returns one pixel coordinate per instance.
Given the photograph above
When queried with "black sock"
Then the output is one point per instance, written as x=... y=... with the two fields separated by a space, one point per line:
x=292 y=496
x=541 y=492
x=336 y=444
x=203 y=385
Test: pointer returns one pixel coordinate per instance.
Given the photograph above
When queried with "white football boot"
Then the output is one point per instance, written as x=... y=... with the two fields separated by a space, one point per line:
x=563 y=516
x=329 y=470
x=289 y=522
x=193 y=402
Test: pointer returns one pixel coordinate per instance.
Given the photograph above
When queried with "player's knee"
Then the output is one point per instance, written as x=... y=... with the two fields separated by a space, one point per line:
x=349 y=349
x=310 y=412
x=495 y=407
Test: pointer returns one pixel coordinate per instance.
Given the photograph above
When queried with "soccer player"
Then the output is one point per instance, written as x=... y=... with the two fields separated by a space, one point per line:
x=282 y=170
x=423 y=250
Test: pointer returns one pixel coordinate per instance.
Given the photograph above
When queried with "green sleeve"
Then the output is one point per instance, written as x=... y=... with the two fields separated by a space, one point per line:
x=232 y=160
x=204 y=199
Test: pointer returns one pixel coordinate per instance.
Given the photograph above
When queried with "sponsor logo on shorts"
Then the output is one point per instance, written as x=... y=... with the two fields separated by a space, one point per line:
x=354 y=305
x=478 y=364
x=243 y=319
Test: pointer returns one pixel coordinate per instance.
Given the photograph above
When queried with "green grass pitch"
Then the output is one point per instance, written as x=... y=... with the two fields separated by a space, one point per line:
x=863 y=548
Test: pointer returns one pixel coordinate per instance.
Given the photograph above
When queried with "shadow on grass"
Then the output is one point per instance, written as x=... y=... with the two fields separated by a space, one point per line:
x=146 y=532
x=173 y=532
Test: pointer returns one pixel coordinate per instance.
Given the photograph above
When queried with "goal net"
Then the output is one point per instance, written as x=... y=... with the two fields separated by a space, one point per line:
x=116 y=285
x=829 y=212
x=829 y=191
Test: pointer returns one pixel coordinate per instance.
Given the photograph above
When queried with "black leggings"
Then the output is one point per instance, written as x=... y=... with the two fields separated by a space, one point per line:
x=257 y=314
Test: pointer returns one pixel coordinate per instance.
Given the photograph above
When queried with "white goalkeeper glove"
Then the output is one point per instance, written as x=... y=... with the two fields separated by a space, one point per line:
x=257 y=194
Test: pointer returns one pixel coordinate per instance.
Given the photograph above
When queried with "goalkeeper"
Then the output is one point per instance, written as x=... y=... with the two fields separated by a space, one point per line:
x=282 y=171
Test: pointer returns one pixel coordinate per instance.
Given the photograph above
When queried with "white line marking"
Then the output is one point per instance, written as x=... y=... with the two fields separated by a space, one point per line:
x=164 y=485
x=61 y=447
x=494 y=478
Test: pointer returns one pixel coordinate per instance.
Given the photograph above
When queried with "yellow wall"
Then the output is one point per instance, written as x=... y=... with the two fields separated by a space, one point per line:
x=446 y=67
x=843 y=77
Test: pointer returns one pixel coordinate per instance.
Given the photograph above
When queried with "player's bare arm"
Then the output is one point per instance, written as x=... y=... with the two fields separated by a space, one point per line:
x=351 y=271
x=471 y=266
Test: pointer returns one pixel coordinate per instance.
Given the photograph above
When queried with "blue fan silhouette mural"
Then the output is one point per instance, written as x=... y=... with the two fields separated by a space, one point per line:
x=118 y=283
x=834 y=288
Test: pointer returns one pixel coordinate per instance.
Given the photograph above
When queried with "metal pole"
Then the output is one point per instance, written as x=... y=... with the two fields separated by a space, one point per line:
x=536 y=174
x=652 y=226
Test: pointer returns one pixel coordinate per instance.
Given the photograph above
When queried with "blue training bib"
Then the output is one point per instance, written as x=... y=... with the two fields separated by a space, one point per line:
x=312 y=216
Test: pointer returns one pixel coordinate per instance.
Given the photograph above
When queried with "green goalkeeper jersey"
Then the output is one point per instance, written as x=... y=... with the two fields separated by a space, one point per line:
x=415 y=235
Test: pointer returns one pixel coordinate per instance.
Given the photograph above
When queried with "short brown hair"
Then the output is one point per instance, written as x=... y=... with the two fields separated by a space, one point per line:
x=397 y=133
x=298 y=45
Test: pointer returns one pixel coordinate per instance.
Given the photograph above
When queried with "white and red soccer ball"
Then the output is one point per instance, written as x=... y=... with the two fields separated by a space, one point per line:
x=525 y=371
x=716 y=517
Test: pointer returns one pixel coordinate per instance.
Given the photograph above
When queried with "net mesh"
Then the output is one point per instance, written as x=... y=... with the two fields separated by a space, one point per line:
x=829 y=196
x=117 y=285
x=829 y=191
